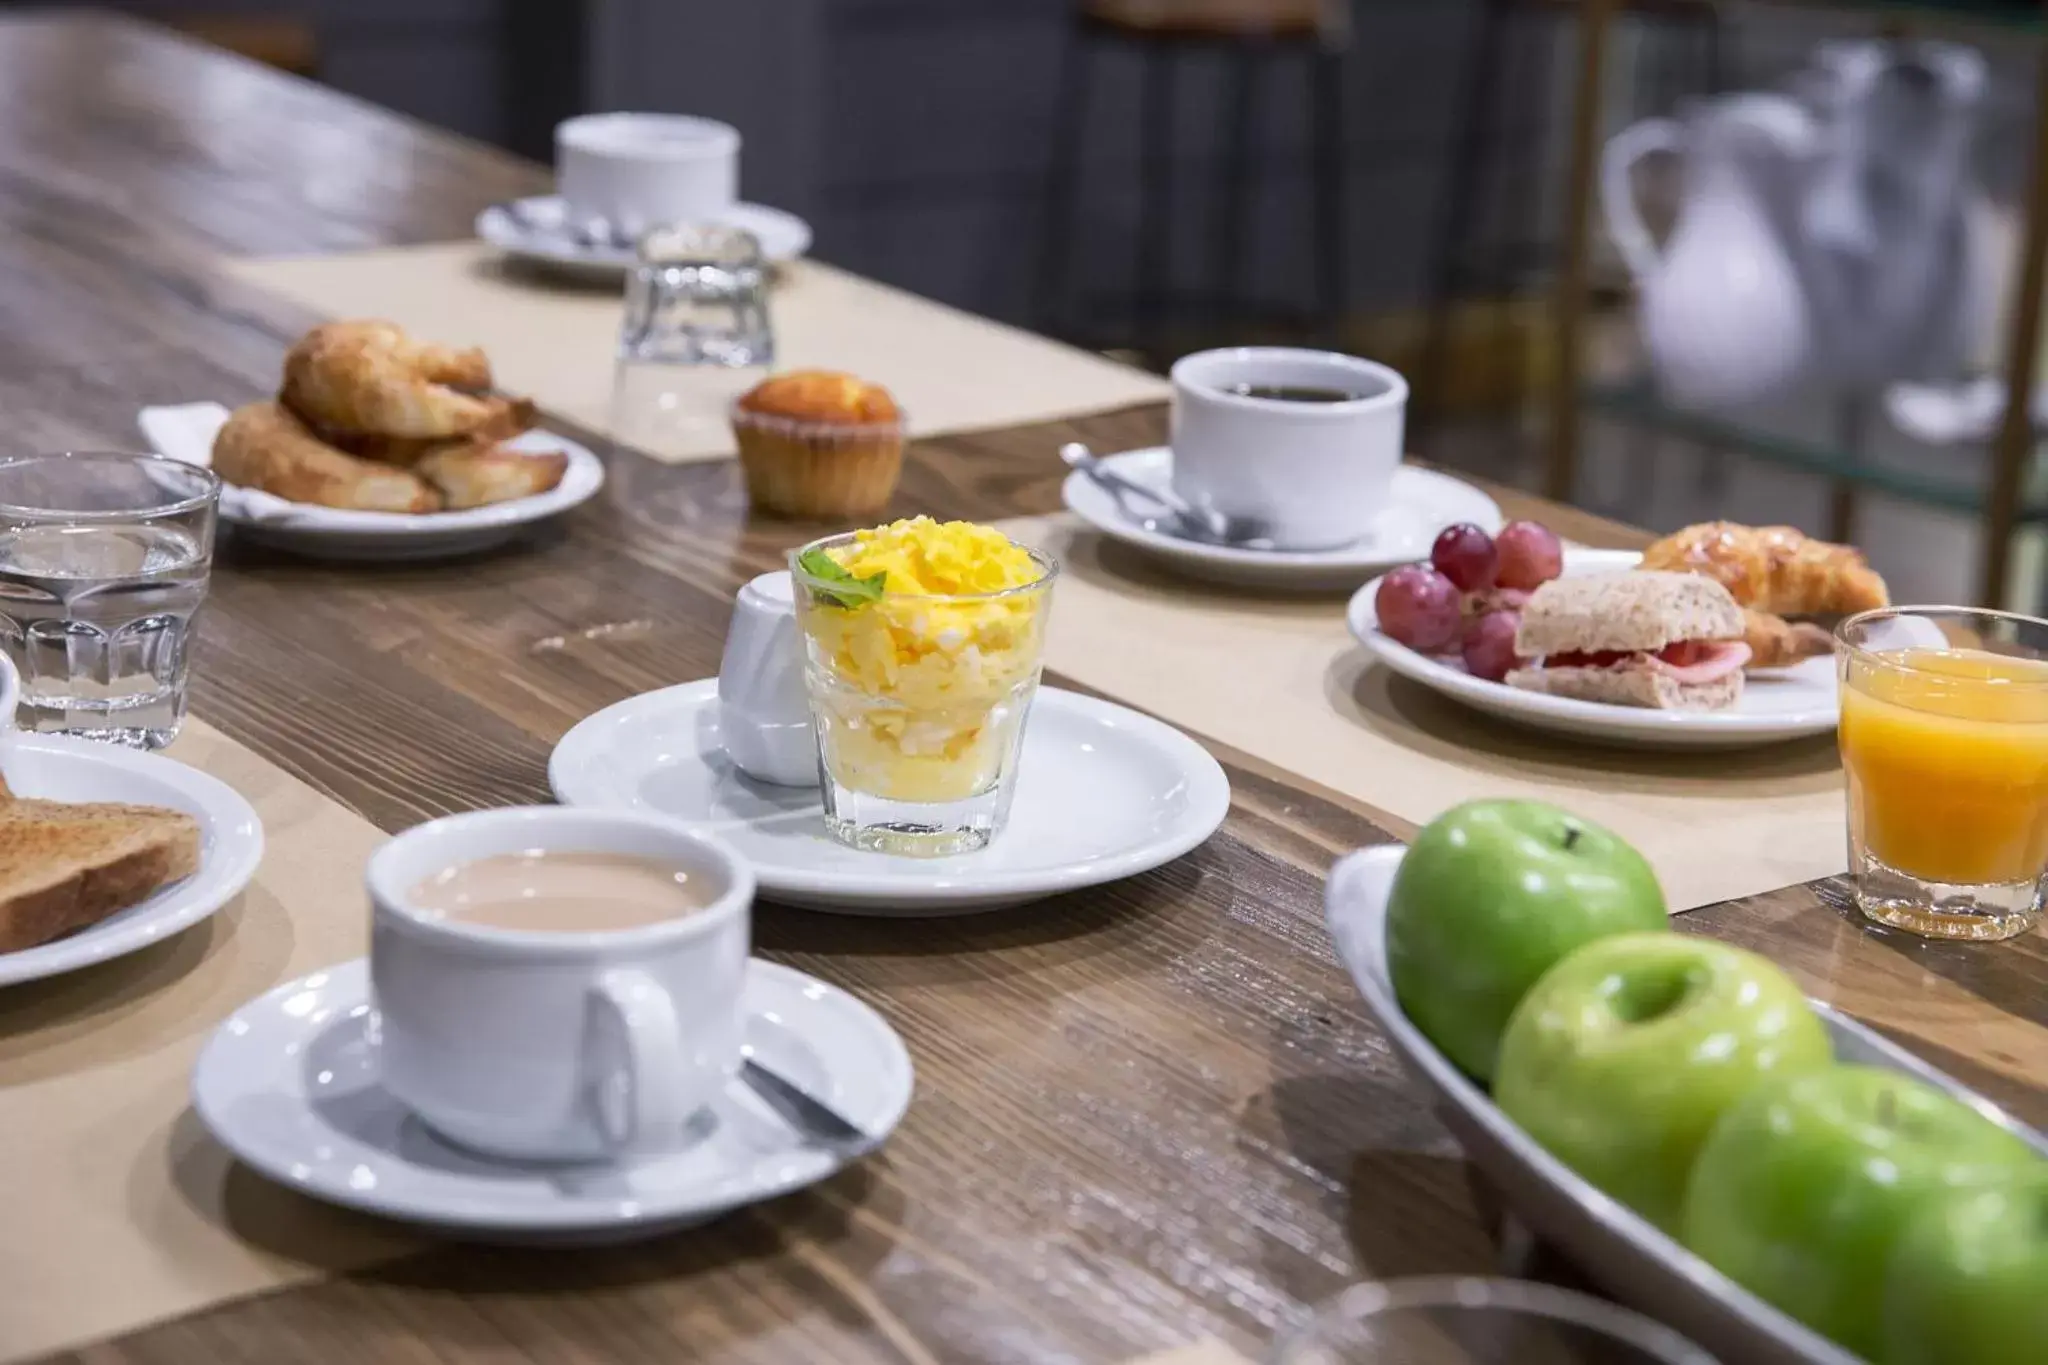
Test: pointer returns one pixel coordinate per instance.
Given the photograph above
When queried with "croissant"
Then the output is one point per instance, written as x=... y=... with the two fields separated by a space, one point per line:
x=1775 y=642
x=510 y=417
x=371 y=378
x=263 y=445
x=477 y=475
x=1772 y=568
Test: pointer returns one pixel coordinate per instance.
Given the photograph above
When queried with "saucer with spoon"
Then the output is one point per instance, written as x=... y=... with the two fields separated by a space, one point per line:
x=1284 y=471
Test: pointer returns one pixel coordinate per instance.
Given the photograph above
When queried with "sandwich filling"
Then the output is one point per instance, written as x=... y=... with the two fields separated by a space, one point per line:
x=1690 y=662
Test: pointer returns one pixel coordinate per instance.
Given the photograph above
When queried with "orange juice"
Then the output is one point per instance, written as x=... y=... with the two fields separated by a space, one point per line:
x=1946 y=752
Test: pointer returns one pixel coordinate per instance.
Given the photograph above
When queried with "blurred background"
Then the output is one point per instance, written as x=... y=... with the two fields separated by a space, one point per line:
x=1792 y=307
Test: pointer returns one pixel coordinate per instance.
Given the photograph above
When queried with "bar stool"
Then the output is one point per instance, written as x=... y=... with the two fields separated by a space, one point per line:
x=1248 y=36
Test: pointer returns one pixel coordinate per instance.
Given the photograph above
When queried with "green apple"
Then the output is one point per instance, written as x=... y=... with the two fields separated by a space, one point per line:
x=1968 y=1282
x=1622 y=1057
x=1489 y=895
x=1803 y=1189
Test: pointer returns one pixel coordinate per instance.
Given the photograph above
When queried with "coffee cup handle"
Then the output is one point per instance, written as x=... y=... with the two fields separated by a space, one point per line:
x=639 y=1069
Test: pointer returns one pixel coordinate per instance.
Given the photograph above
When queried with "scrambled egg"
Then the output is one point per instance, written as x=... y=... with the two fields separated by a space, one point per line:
x=926 y=686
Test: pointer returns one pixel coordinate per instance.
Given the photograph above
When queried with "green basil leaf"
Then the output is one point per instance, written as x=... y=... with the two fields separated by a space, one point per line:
x=847 y=590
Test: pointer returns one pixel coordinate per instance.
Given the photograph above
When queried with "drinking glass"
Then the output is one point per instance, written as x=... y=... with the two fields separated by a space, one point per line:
x=1449 y=1320
x=1944 y=737
x=696 y=336
x=103 y=565
x=698 y=295
x=919 y=705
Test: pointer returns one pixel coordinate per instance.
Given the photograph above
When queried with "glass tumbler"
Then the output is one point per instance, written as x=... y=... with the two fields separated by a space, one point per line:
x=919 y=705
x=1450 y=1320
x=696 y=336
x=1944 y=738
x=104 y=560
x=697 y=295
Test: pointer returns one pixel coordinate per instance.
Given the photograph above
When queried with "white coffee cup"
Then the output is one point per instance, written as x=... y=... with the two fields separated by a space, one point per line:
x=637 y=171
x=1311 y=475
x=764 y=714
x=547 y=1045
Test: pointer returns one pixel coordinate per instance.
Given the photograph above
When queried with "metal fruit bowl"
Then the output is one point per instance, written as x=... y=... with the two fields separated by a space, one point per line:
x=1631 y=1259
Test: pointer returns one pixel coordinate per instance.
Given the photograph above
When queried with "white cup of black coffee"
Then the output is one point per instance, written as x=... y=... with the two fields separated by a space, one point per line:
x=1301 y=444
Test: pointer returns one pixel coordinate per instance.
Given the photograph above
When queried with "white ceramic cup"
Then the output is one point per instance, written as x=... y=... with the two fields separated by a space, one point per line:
x=544 y=1045
x=1312 y=475
x=637 y=171
x=764 y=713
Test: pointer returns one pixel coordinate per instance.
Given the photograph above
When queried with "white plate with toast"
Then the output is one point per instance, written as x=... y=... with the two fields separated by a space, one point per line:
x=186 y=432
x=57 y=768
x=1776 y=705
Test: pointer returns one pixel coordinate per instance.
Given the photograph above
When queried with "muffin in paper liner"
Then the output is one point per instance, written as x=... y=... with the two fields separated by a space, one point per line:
x=818 y=470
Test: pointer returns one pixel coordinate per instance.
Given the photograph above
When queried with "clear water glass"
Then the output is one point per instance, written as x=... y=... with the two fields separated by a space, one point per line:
x=698 y=295
x=696 y=336
x=104 y=561
x=919 y=704
x=1452 y=1320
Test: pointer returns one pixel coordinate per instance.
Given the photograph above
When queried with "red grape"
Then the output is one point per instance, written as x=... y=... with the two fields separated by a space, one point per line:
x=1465 y=555
x=1489 y=646
x=1530 y=555
x=1418 y=607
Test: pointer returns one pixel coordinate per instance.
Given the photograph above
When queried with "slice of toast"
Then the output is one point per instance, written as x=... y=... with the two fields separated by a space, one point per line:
x=64 y=866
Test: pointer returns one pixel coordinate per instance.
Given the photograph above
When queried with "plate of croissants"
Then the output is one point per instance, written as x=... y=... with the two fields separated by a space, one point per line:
x=380 y=446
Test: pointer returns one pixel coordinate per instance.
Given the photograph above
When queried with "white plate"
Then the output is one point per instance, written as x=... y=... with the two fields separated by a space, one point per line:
x=545 y=239
x=1424 y=502
x=186 y=432
x=1776 y=705
x=1623 y=1252
x=1102 y=793
x=59 y=768
x=289 y=1085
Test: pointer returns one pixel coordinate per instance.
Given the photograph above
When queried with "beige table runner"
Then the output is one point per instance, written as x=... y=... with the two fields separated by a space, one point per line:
x=1281 y=679
x=119 y=1210
x=949 y=370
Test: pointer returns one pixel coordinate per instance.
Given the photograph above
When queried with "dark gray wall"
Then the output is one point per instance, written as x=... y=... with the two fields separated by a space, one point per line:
x=915 y=133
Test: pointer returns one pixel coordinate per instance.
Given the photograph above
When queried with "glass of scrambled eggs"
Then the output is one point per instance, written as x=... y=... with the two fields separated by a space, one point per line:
x=922 y=647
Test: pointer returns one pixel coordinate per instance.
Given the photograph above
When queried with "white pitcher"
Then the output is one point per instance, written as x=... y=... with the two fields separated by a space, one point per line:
x=1722 y=311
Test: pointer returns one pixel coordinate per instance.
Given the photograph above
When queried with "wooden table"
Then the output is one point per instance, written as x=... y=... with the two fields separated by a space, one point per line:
x=1145 y=1114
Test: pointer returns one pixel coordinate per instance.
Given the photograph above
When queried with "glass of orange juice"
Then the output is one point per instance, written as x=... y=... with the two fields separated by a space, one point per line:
x=1944 y=740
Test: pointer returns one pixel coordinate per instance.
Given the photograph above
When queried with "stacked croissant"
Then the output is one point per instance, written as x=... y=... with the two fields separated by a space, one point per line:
x=371 y=420
x=1773 y=572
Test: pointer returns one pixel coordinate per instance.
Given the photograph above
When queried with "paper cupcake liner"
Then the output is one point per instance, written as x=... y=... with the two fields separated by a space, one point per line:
x=823 y=470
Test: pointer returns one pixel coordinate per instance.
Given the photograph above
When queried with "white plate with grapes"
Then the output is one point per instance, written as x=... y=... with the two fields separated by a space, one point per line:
x=1449 y=624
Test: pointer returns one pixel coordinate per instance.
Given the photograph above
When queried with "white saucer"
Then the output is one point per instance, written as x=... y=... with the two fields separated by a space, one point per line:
x=59 y=768
x=544 y=237
x=1424 y=502
x=186 y=431
x=1776 y=705
x=1102 y=793
x=289 y=1085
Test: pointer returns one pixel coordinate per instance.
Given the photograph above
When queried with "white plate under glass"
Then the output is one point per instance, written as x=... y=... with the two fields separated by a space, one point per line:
x=1102 y=793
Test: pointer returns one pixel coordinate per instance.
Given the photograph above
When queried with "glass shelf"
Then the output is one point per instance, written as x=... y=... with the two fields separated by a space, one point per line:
x=1637 y=403
x=2019 y=14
